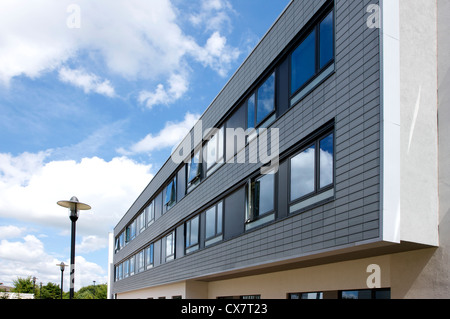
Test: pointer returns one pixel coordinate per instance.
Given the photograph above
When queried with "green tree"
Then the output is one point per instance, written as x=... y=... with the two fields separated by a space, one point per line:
x=50 y=291
x=23 y=285
x=92 y=292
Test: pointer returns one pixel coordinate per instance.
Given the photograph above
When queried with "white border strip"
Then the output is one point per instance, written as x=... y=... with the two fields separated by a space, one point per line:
x=390 y=110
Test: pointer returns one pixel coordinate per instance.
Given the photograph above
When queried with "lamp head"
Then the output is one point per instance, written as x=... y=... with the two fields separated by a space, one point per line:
x=61 y=265
x=74 y=206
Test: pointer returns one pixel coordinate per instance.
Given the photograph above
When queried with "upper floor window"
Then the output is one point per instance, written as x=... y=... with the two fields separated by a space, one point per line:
x=214 y=150
x=119 y=242
x=260 y=197
x=170 y=246
x=326 y=38
x=141 y=222
x=126 y=268
x=214 y=222
x=192 y=234
x=132 y=265
x=312 y=170
x=170 y=195
x=130 y=232
x=262 y=103
x=119 y=272
x=194 y=170
x=140 y=261
x=313 y=54
x=150 y=213
x=149 y=256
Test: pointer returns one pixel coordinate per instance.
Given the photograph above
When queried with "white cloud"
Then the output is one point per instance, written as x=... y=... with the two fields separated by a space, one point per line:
x=217 y=55
x=10 y=231
x=28 y=257
x=16 y=170
x=92 y=243
x=170 y=136
x=134 y=39
x=213 y=15
x=31 y=249
x=29 y=190
x=87 y=81
x=109 y=187
x=178 y=85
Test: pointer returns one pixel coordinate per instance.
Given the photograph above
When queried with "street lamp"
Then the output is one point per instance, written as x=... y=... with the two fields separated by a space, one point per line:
x=61 y=266
x=74 y=206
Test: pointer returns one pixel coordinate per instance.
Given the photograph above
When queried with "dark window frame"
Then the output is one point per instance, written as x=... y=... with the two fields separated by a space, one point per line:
x=173 y=247
x=317 y=189
x=191 y=182
x=220 y=133
x=168 y=204
x=188 y=245
x=250 y=214
x=254 y=95
x=150 y=208
x=318 y=70
x=150 y=248
x=373 y=292
x=217 y=232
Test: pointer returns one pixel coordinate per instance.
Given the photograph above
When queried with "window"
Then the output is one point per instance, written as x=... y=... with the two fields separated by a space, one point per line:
x=326 y=40
x=194 y=170
x=141 y=222
x=149 y=256
x=326 y=161
x=171 y=196
x=365 y=294
x=314 y=54
x=312 y=172
x=132 y=264
x=214 y=221
x=140 y=261
x=192 y=233
x=121 y=240
x=119 y=243
x=306 y=295
x=130 y=232
x=250 y=297
x=120 y=271
x=260 y=197
x=150 y=213
x=303 y=62
x=214 y=150
x=261 y=104
x=303 y=173
x=170 y=246
x=126 y=268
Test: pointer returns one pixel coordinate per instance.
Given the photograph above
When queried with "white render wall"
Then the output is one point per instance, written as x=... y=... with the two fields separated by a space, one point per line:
x=410 y=144
x=418 y=117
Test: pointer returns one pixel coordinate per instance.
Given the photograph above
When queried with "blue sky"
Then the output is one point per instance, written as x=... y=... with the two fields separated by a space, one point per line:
x=94 y=94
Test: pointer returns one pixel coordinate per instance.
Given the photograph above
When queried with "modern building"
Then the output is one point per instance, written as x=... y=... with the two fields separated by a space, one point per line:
x=326 y=175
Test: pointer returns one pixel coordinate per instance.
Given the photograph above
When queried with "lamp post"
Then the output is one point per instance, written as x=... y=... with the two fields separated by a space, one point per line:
x=62 y=266
x=74 y=206
x=34 y=284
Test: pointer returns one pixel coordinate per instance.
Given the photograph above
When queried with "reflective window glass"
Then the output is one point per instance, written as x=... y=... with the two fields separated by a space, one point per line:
x=302 y=173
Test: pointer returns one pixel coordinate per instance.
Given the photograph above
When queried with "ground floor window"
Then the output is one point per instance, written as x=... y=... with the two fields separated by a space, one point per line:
x=384 y=293
x=365 y=294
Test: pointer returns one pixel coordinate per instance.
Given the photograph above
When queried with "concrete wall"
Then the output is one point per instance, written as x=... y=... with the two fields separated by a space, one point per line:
x=425 y=273
x=418 y=133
